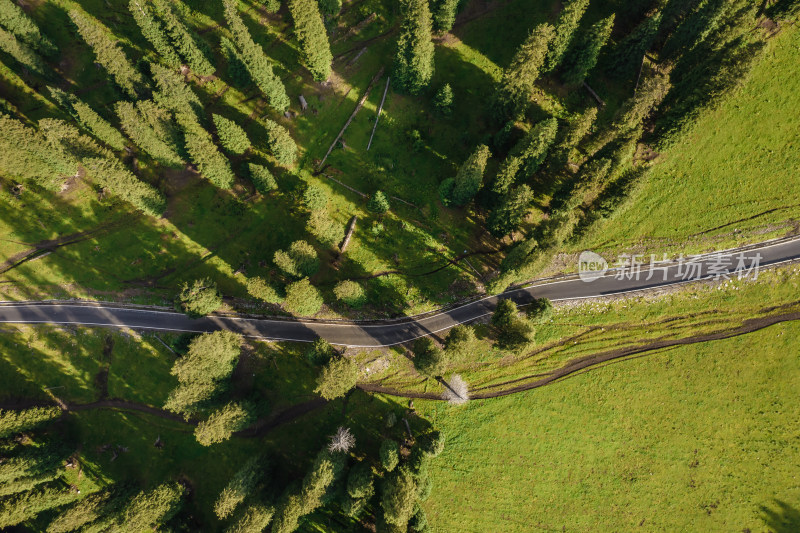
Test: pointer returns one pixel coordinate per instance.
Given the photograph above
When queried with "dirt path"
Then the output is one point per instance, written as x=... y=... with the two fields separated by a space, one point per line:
x=585 y=363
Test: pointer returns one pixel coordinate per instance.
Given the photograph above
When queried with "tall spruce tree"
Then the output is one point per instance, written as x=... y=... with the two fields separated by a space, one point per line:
x=582 y=56
x=629 y=52
x=280 y=143
x=238 y=488
x=173 y=91
x=152 y=129
x=444 y=14
x=88 y=118
x=150 y=509
x=189 y=44
x=108 y=53
x=695 y=27
x=413 y=62
x=236 y=66
x=534 y=146
x=204 y=153
x=469 y=179
x=223 y=422
x=255 y=60
x=517 y=85
x=15 y=20
x=509 y=215
x=12 y=422
x=153 y=30
x=25 y=154
x=231 y=135
x=25 y=506
x=111 y=173
x=21 y=53
x=566 y=26
x=313 y=38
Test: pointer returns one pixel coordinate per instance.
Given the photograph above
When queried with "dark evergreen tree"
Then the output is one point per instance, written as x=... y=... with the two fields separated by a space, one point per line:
x=516 y=87
x=469 y=179
x=253 y=57
x=280 y=143
x=565 y=30
x=108 y=53
x=173 y=92
x=330 y=7
x=232 y=137
x=111 y=173
x=695 y=27
x=236 y=66
x=413 y=62
x=238 y=488
x=27 y=505
x=89 y=509
x=223 y=422
x=262 y=178
x=443 y=101
x=429 y=359
x=509 y=215
x=153 y=30
x=582 y=56
x=299 y=260
x=190 y=46
x=253 y=519
x=88 y=119
x=204 y=153
x=378 y=203
x=25 y=154
x=444 y=15
x=310 y=31
x=337 y=378
x=629 y=52
x=198 y=299
x=152 y=129
x=23 y=55
x=13 y=422
x=150 y=509
x=15 y=20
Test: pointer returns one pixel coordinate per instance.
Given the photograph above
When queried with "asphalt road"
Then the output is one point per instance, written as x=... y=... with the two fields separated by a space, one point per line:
x=618 y=280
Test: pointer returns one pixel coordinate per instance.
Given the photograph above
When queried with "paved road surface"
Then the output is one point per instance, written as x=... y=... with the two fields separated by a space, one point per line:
x=615 y=281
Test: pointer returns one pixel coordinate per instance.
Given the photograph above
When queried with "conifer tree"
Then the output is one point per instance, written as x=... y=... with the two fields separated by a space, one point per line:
x=302 y=298
x=25 y=153
x=629 y=52
x=16 y=21
x=695 y=27
x=507 y=173
x=259 y=288
x=651 y=92
x=509 y=215
x=336 y=378
x=191 y=47
x=469 y=179
x=88 y=118
x=153 y=30
x=150 y=508
x=315 y=484
x=565 y=29
x=237 y=489
x=108 y=53
x=443 y=101
x=444 y=15
x=232 y=137
x=351 y=293
x=398 y=495
x=272 y=6
x=534 y=146
x=300 y=260
x=517 y=85
x=204 y=153
x=111 y=173
x=253 y=57
x=310 y=31
x=68 y=140
x=280 y=143
x=582 y=56
x=378 y=203
x=12 y=422
x=254 y=519
x=86 y=511
x=173 y=91
x=151 y=127
x=262 y=178
x=21 y=53
x=27 y=505
x=198 y=299
x=222 y=423
x=413 y=62
x=236 y=67
x=429 y=359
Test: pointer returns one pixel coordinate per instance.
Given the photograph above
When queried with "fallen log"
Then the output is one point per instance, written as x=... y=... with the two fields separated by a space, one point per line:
x=380 y=109
x=351 y=227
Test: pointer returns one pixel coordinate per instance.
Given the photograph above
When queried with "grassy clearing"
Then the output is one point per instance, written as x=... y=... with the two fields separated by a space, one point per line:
x=698 y=438
x=730 y=179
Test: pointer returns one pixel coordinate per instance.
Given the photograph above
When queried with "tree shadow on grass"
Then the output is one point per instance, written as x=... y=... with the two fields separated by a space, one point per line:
x=780 y=517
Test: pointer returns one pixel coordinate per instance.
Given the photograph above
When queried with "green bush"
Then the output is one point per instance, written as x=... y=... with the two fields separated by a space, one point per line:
x=258 y=288
x=336 y=378
x=389 y=454
x=351 y=293
x=302 y=298
x=199 y=299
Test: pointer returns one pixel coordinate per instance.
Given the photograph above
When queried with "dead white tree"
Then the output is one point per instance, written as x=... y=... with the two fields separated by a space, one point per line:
x=342 y=440
x=456 y=391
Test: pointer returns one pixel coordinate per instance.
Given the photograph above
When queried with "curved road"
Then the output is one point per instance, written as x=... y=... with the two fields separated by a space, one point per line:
x=614 y=281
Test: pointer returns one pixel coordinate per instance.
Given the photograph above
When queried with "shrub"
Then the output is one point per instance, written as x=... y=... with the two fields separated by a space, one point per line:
x=360 y=481
x=351 y=293
x=300 y=260
x=199 y=299
x=302 y=298
x=443 y=101
x=231 y=135
x=459 y=343
x=336 y=378
x=258 y=288
x=389 y=454
x=540 y=309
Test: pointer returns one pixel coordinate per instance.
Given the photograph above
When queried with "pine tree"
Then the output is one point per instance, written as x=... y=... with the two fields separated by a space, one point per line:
x=565 y=29
x=629 y=52
x=257 y=63
x=443 y=101
x=25 y=154
x=32 y=463
x=150 y=509
x=398 y=495
x=108 y=53
x=413 y=62
x=310 y=31
x=26 y=57
x=302 y=298
x=378 y=203
x=651 y=92
x=238 y=488
x=329 y=7
x=83 y=512
x=507 y=173
x=337 y=378
x=88 y=118
x=173 y=91
x=517 y=85
x=15 y=20
x=27 y=505
x=198 y=299
x=300 y=260
x=232 y=137
x=469 y=179
x=111 y=173
x=254 y=519
x=695 y=27
x=509 y=215
x=67 y=139
x=151 y=128
x=190 y=46
x=534 y=146
x=579 y=127
x=444 y=15
x=280 y=143
x=223 y=422
x=582 y=56
x=204 y=153
x=262 y=178
x=236 y=66
x=153 y=30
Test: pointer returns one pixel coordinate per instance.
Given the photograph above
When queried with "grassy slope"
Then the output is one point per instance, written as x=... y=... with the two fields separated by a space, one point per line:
x=736 y=170
x=697 y=438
